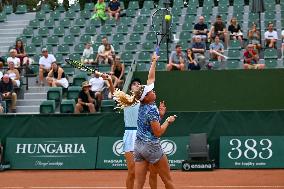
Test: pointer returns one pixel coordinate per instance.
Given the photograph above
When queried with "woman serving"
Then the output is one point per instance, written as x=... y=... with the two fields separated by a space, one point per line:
x=147 y=148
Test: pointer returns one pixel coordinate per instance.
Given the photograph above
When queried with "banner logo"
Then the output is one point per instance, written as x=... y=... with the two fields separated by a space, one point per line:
x=169 y=147
x=117 y=148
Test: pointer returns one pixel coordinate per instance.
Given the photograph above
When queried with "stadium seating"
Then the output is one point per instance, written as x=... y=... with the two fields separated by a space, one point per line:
x=67 y=106
x=47 y=107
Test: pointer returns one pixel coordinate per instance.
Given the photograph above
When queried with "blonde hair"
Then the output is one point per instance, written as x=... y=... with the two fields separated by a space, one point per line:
x=125 y=100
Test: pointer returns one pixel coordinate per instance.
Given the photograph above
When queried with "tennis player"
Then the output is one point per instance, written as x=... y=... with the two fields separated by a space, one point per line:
x=148 y=150
x=130 y=120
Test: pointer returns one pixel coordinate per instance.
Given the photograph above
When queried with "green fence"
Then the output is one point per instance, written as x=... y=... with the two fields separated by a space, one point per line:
x=216 y=124
x=220 y=90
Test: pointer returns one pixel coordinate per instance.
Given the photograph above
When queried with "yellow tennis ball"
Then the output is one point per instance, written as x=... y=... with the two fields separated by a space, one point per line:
x=168 y=18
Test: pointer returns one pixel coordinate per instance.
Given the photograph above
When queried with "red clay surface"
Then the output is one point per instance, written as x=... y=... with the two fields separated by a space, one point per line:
x=90 y=179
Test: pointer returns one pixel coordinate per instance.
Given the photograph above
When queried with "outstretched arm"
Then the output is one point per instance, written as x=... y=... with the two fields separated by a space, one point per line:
x=151 y=75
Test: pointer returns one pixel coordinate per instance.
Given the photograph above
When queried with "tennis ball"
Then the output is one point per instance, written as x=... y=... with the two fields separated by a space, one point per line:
x=168 y=17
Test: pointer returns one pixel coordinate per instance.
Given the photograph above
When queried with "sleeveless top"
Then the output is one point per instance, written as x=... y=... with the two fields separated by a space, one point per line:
x=12 y=75
x=55 y=74
x=131 y=116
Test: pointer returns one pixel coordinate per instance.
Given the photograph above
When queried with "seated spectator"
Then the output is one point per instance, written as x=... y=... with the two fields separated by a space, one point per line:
x=13 y=58
x=86 y=99
x=218 y=28
x=2 y=62
x=216 y=49
x=190 y=58
x=251 y=58
x=114 y=9
x=45 y=64
x=200 y=29
x=235 y=30
x=7 y=91
x=56 y=77
x=104 y=52
x=13 y=74
x=282 y=46
x=117 y=69
x=88 y=54
x=21 y=53
x=270 y=36
x=100 y=11
x=198 y=48
x=98 y=85
x=254 y=36
x=177 y=60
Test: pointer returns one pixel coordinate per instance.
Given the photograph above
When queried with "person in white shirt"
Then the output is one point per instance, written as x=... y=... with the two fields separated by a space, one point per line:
x=282 y=49
x=45 y=64
x=13 y=58
x=98 y=84
x=88 y=54
x=102 y=56
x=271 y=36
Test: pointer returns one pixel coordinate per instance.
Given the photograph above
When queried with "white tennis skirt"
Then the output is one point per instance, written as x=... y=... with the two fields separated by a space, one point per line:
x=63 y=82
x=129 y=140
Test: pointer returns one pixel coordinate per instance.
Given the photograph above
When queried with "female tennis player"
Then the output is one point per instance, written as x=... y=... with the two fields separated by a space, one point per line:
x=130 y=120
x=147 y=148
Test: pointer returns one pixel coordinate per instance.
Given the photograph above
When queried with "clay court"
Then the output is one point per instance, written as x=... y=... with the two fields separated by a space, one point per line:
x=115 y=179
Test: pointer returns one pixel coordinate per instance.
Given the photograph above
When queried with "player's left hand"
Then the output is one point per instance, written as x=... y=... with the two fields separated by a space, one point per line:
x=162 y=109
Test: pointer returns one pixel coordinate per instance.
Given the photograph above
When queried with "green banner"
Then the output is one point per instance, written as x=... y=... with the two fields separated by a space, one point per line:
x=252 y=152
x=111 y=154
x=51 y=153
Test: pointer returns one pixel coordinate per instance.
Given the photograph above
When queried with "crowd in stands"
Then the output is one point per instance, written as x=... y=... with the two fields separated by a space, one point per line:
x=207 y=43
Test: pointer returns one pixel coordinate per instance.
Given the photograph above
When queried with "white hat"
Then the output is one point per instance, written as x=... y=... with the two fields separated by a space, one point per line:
x=146 y=89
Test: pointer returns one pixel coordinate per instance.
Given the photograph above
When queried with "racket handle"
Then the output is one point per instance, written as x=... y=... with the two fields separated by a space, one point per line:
x=157 y=50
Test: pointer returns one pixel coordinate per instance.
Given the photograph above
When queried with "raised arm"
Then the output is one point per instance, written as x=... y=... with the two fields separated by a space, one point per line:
x=151 y=75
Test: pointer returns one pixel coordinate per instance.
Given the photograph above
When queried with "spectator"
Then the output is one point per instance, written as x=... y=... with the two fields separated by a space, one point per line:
x=7 y=91
x=100 y=11
x=1 y=71
x=177 y=60
x=114 y=9
x=56 y=77
x=14 y=74
x=86 y=99
x=216 y=49
x=2 y=62
x=254 y=36
x=198 y=48
x=251 y=58
x=218 y=28
x=98 y=84
x=235 y=30
x=282 y=47
x=117 y=69
x=103 y=52
x=13 y=58
x=21 y=53
x=190 y=58
x=88 y=54
x=45 y=64
x=270 y=36
x=200 y=29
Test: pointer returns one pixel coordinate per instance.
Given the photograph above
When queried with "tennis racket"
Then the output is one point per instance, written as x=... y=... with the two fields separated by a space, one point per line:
x=161 y=26
x=79 y=65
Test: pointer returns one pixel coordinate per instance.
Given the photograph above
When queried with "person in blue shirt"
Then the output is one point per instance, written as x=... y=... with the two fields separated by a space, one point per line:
x=147 y=148
x=114 y=9
x=130 y=120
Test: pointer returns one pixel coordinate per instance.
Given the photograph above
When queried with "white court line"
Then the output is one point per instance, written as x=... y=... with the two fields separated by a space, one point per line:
x=114 y=187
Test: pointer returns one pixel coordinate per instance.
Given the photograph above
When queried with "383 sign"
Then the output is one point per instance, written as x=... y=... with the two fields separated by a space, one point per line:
x=252 y=152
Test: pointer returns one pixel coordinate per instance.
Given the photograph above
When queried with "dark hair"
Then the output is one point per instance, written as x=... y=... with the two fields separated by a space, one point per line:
x=178 y=45
x=269 y=24
x=216 y=36
x=192 y=54
x=22 y=46
x=218 y=16
x=134 y=80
